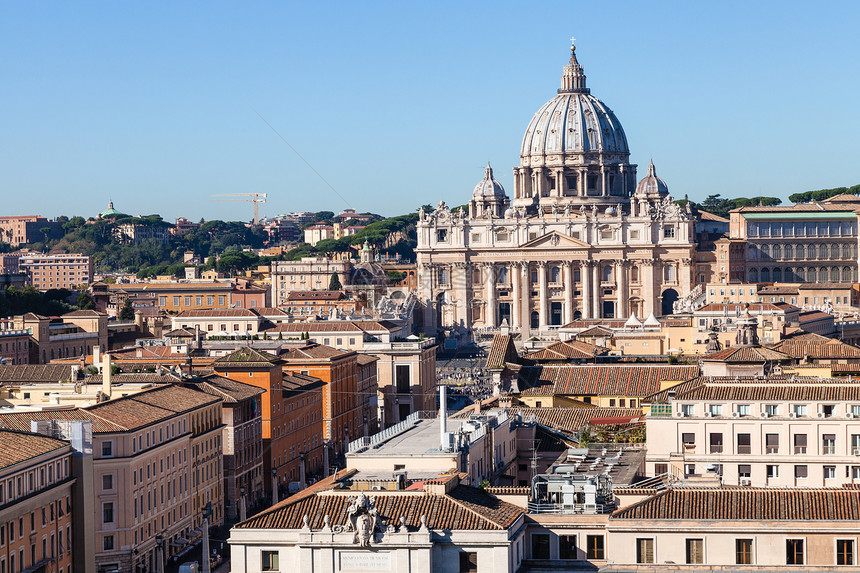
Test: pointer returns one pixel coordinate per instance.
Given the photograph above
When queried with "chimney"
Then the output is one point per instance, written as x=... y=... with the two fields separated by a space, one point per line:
x=106 y=385
x=97 y=356
x=443 y=418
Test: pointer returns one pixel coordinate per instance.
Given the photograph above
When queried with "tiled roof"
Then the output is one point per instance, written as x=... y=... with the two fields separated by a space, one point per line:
x=296 y=383
x=705 y=216
x=217 y=313
x=755 y=307
x=36 y=373
x=336 y=326
x=463 y=508
x=180 y=333
x=813 y=315
x=773 y=388
x=146 y=408
x=502 y=351
x=84 y=314
x=316 y=295
x=745 y=504
x=145 y=353
x=21 y=420
x=365 y=359
x=162 y=377
x=268 y=311
x=569 y=350
x=600 y=380
x=311 y=352
x=571 y=420
x=829 y=348
x=228 y=390
x=595 y=331
x=17 y=447
x=746 y=354
x=247 y=356
x=809 y=336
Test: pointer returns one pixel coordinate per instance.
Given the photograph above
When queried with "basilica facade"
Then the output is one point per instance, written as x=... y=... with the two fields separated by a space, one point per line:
x=581 y=238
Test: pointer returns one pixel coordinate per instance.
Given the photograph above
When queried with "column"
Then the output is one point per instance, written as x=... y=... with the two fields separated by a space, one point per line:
x=525 y=304
x=621 y=286
x=461 y=293
x=491 y=295
x=647 y=277
x=516 y=296
x=595 y=289
x=685 y=276
x=585 y=275
x=426 y=281
x=604 y=181
x=568 y=292
x=542 y=292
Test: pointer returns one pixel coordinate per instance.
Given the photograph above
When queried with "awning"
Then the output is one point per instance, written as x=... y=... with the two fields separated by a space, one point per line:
x=614 y=420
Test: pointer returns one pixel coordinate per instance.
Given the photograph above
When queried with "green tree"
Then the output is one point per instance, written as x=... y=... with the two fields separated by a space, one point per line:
x=85 y=301
x=127 y=311
x=334 y=283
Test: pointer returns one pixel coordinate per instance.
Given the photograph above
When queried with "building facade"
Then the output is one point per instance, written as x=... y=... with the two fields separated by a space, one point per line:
x=57 y=271
x=311 y=273
x=580 y=238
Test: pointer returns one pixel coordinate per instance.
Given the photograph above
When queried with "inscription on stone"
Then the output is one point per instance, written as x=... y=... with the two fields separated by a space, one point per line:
x=364 y=561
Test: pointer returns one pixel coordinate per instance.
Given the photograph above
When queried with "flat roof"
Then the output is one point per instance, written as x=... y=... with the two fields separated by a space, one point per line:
x=800 y=215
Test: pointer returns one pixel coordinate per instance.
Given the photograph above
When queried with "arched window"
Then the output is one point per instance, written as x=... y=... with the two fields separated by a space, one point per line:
x=846 y=251
x=789 y=275
x=777 y=252
x=669 y=273
x=846 y=274
x=634 y=274
x=834 y=275
x=577 y=314
x=765 y=275
x=555 y=275
x=789 y=252
x=503 y=275
x=801 y=252
x=810 y=251
x=443 y=276
x=834 y=251
x=754 y=275
x=607 y=274
x=765 y=251
x=777 y=275
x=535 y=320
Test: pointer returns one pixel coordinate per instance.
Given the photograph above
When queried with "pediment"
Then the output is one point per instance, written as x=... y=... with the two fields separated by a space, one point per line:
x=555 y=240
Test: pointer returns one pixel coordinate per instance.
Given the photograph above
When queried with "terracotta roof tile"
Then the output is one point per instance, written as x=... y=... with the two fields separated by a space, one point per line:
x=745 y=504
x=502 y=351
x=772 y=388
x=36 y=373
x=230 y=391
x=247 y=356
x=217 y=313
x=17 y=447
x=567 y=350
x=571 y=420
x=747 y=354
x=826 y=349
x=600 y=380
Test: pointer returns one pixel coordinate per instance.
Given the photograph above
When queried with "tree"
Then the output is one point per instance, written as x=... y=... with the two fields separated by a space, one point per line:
x=85 y=301
x=127 y=311
x=334 y=283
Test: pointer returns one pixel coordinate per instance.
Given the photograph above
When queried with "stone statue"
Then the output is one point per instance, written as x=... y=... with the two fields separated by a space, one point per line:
x=362 y=518
x=567 y=210
x=582 y=210
x=555 y=209
x=421 y=214
x=594 y=211
x=442 y=206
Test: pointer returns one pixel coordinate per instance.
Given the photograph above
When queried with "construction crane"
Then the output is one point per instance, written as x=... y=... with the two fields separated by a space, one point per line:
x=255 y=198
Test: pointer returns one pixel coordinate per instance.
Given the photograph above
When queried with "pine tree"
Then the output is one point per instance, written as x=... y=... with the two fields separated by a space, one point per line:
x=334 y=283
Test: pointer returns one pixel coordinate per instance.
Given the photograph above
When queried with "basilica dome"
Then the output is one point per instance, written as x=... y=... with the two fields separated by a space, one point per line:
x=573 y=122
x=651 y=185
x=488 y=186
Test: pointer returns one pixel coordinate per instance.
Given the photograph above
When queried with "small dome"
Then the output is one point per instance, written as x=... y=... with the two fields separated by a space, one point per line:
x=109 y=212
x=610 y=211
x=489 y=187
x=651 y=185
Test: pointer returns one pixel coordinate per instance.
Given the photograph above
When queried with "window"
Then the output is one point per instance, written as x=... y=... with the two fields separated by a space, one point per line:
x=567 y=547
x=829 y=472
x=771 y=443
x=668 y=233
x=401 y=374
x=645 y=550
x=800 y=443
x=743 y=551
x=441 y=235
x=744 y=471
x=695 y=550
x=772 y=472
x=828 y=444
x=828 y=410
x=845 y=552
x=107 y=543
x=107 y=482
x=801 y=472
x=794 y=551
x=716 y=443
x=594 y=547
x=771 y=410
x=270 y=561
x=540 y=546
x=688 y=410
x=744 y=446
x=715 y=409
x=743 y=409
x=107 y=449
x=799 y=410
x=468 y=561
x=107 y=512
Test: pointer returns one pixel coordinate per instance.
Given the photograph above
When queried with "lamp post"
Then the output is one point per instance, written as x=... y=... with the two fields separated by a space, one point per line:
x=242 y=510
x=207 y=511
x=159 y=553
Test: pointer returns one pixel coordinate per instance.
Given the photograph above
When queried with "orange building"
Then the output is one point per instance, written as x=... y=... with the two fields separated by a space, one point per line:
x=303 y=399
x=338 y=369
x=173 y=297
x=263 y=370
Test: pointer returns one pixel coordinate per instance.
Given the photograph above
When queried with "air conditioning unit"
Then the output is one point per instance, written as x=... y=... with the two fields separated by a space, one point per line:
x=764 y=415
x=708 y=415
x=746 y=482
x=822 y=415
x=792 y=415
x=849 y=415
x=736 y=414
x=856 y=451
x=680 y=414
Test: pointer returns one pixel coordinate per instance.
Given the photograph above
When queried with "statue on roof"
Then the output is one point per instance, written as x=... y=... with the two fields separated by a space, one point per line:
x=362 y=518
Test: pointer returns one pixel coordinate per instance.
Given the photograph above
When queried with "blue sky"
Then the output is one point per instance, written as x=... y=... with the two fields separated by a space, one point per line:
x=154 y=105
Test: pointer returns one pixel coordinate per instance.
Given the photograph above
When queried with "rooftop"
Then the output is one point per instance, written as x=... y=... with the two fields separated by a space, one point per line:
x=17 y=447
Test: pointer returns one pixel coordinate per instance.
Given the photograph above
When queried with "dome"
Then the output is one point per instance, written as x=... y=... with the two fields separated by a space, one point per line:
x=109 y=212
x=574 y=121
x=489 y=187
x=651 y=185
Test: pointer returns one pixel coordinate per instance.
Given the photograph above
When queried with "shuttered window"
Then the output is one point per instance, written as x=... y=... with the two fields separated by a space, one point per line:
x=743 y=551
x=695 y=550
x=645 y=550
